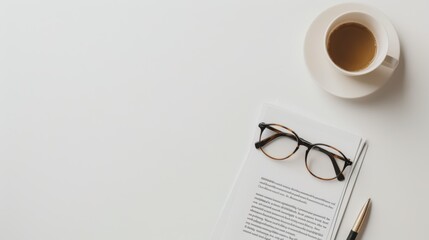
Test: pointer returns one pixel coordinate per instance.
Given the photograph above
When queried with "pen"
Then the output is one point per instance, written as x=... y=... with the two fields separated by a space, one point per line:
x=359 y=221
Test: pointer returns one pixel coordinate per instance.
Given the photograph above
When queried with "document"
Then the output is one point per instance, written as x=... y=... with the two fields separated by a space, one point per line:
x=280 y=199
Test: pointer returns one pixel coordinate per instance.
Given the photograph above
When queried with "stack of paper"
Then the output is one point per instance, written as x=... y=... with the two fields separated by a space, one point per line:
x=281 y=200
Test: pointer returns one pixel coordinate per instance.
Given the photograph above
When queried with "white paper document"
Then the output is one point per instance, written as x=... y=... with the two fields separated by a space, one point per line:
x=280 y=199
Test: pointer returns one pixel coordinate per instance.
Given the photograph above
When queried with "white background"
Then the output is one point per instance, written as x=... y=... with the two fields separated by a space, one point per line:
x=129 y=119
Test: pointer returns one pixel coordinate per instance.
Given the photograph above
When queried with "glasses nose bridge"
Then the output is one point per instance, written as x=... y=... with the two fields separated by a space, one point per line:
x=305 y=143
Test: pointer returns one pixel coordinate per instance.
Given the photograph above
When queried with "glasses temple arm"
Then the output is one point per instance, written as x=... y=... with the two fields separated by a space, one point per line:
x=267 y=140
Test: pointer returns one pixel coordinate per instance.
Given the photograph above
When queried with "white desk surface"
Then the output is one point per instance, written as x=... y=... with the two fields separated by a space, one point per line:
x=129 y=119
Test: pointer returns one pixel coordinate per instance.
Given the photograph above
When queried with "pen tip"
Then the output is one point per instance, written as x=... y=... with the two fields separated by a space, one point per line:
x=368 y=202
x=362 y=214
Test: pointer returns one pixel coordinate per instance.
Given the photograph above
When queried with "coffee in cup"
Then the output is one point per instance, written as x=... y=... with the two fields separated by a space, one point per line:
x=356 y=43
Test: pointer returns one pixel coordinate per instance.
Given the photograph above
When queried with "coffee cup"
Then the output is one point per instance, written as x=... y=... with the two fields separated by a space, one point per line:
x=356 y=43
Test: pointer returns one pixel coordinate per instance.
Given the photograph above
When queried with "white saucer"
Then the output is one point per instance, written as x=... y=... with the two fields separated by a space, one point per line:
x=331 y=79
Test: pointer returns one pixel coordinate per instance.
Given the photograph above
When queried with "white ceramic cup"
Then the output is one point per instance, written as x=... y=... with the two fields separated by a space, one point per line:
x=380 y=34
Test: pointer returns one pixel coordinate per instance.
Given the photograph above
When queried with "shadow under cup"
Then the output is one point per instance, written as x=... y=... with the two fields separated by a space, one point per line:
x=356 y=48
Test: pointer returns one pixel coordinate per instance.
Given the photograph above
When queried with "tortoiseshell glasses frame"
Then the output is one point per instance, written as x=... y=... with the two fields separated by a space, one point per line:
x=282 y=131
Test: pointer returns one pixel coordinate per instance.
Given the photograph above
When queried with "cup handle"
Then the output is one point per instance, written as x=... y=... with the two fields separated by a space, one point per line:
x=390 y=62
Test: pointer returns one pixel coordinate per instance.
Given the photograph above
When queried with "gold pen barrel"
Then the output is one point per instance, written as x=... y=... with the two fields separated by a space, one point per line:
x=359 y=221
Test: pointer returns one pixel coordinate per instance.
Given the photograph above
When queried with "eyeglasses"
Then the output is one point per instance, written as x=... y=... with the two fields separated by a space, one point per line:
x=321 y=160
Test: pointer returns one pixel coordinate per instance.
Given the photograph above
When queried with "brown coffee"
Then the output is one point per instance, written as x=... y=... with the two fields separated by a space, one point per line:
x=352 y=46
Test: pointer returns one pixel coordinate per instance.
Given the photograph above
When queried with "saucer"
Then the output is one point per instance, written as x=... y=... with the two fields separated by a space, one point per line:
x=321 y=68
